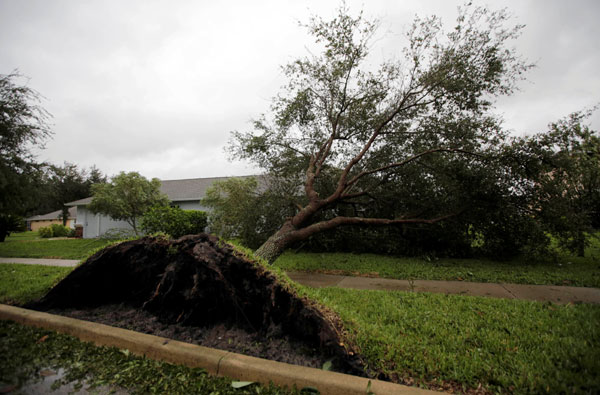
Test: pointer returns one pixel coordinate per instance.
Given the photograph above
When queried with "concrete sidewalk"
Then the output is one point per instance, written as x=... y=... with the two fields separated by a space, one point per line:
x=44 y=262
x=542 y=293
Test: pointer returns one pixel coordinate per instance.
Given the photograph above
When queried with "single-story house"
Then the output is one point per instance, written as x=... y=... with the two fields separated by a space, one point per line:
x=185 y=194
x=37 y=221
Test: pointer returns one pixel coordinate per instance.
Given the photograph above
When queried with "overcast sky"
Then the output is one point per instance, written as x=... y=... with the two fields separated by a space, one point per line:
x=157 y=86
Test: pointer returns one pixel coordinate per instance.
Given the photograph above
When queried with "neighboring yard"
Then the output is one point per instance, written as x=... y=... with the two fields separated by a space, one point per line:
x=566 y=270
x=29 y=245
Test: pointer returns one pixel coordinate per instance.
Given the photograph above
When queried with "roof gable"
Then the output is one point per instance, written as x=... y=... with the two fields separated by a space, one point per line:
x=54 y=215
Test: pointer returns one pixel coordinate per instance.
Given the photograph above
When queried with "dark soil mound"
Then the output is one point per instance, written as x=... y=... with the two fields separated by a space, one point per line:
x=199 y=281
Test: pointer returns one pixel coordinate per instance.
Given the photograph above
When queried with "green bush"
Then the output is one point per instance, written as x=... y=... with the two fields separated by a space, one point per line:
x=60 y=230
x=197 y=221
x=45 y=232
x=173 y=221
x=55 y=230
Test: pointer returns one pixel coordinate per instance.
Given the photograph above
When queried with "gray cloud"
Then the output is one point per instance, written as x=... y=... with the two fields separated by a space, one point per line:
x=157 y=86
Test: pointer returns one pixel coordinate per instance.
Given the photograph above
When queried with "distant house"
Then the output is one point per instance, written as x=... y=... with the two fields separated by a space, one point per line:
x=55 y=217
x=185 y=194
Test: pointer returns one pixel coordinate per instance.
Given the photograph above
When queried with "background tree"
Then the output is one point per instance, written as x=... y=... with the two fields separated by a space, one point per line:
x=23 y=125
x=69 y=183
x=248 y=209
x=352 y=138
x=568 y=186
x=127 y=197
x=58 y=185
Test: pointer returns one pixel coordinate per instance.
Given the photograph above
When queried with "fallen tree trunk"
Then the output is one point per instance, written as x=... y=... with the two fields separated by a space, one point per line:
x=198 y=280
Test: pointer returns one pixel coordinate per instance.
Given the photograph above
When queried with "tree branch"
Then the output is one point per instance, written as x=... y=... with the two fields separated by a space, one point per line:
x=303 y=233
x=405 y=162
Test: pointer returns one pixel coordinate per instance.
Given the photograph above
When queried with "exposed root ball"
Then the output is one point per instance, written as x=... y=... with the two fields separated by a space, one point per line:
x=198 y=280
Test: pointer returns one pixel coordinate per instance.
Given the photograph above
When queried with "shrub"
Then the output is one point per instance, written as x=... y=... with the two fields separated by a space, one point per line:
x=173 y=221
x=45 y=232
x=60 y=230
x=118 y=234
x=197 y=221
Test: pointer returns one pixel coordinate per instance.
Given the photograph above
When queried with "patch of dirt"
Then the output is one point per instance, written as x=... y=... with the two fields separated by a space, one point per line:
x=273 y=346
x=198 y=289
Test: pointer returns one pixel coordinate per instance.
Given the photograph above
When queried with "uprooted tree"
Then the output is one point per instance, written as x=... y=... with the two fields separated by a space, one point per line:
x=351 y=137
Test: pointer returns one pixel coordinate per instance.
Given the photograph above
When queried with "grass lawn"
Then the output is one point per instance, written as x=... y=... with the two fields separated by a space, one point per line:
x=436 y=340
x=23 y=236
x=24 y=247
x=568 y=270
x=452 y=341
x=22 y=283
x=28 y=353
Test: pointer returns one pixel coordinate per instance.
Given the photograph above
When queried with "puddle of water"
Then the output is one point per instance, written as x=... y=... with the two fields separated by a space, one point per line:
x=49 y=376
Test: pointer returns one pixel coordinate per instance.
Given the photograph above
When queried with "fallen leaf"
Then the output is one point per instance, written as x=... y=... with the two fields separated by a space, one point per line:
x=241 y=384
x=47 y=373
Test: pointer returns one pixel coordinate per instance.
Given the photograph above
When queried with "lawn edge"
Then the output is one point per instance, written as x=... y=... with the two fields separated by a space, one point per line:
x=214 y=361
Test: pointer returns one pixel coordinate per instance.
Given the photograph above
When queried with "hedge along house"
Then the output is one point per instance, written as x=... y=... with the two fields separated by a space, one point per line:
x=37 y=221
x=185 y=194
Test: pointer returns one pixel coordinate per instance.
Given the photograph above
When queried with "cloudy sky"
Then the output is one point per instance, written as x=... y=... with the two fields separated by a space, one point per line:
x=157 y=86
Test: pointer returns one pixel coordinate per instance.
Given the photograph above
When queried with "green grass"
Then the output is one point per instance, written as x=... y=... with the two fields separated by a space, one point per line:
x=504 y=345
x=23 y=236
x=429 y=339
x=26 y=351
x=22 y=283
x=59 y=249
x=567 y=270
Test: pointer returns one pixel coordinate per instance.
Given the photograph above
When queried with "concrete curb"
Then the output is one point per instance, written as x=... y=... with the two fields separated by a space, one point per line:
x=216 y=362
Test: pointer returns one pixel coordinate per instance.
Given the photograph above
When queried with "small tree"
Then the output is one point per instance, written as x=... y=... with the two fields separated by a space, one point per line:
x=234 y=208
x=127 y=197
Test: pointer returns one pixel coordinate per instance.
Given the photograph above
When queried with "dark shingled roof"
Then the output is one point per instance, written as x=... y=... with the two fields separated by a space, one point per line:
x=177 y=190
x=53 y=215
x=189 y=189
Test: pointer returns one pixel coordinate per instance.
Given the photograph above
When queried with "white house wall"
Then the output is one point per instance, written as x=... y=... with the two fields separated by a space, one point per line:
x=95 y=225
x=189 y=205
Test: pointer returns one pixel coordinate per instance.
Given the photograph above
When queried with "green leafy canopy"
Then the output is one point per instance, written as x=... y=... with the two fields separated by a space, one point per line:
x=417 y=131
x=127 y=197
